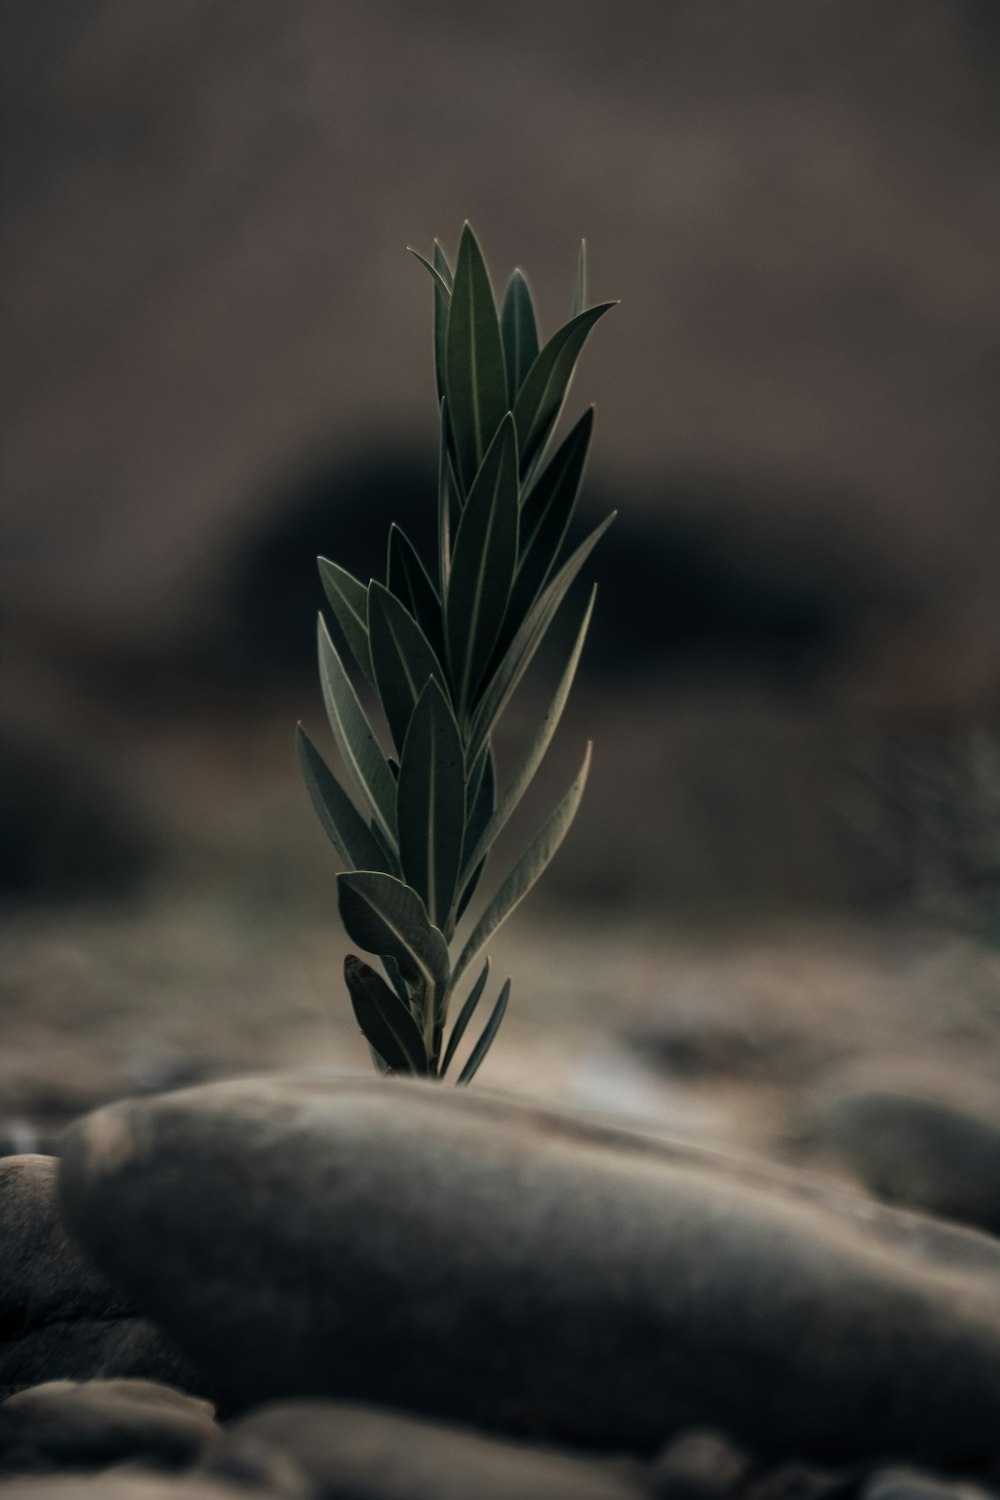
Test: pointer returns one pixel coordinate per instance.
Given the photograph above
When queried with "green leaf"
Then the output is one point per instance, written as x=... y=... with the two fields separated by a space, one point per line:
x=481 y=800
x=430 y=804
x=345 y=827
x=543 y=738
x=441 y=274
x=546 y=513
x=442 y=311
x=384 y=916
x=386 y=1024
x=580 y=293
x=519 y=653
x=441 y=265
x=541 y=397
x=490 y=1030
x=440 y=284
x=355 y=740
x=395 y=977
x=445 y=484
x=402 y=657
x=476 y=378
x=464 y=1017
x=520 y=333
x=408 y=579
x=482 y=567
x=349 y=601
x=524 y=874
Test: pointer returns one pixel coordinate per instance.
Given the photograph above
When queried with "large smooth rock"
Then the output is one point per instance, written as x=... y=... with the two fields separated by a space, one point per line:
x=932 y=1146
x=472 y=1258
x=133 y=1485
x=59 y=1317
x=365 y=1454
x=908 y=1484
x=67 y=1424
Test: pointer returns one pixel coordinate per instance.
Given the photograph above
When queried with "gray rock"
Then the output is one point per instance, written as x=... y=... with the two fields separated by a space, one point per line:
x=59 y=1317
x=349 y=1452
x=68 y=1424
x=921 y=1148
x=93 y=1348
x=699 y=1465
x=43 y=1276
x=132 y=1485
x=475 y=1259
x=909 y=1484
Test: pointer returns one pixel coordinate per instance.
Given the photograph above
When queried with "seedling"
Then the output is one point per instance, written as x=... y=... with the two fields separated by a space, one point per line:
x=443 y=655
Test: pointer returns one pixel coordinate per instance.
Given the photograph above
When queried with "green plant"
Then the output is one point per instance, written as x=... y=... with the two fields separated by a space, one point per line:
x=443 y=656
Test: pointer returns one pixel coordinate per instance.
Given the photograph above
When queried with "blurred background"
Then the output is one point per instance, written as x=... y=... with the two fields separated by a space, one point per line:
x=216 y=363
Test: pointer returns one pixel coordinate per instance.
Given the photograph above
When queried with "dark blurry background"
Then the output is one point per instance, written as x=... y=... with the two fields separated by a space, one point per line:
x=216 y=363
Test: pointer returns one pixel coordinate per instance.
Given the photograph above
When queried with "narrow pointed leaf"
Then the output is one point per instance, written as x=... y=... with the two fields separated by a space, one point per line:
x=402 y=657
x=481 y=800
x=444 y=503
x=527 y=870
x=520 y=333
x=386 y=1024
x=543 y=738
x=348 y=598
x=441 y=274
x=430 y=806
x=408 y=579
x=464 y=1017
x=580 y=292
x=441 y=265
x=546 y=513
x=344 y=825
x=519 y=653
x=483 y=565
x=442 y=312
x=440 y=285
x=395 y=977
x=540 y=398
x=355 y=740
x=386 y=917
x=485 y=1042
x=390 y=858
x=476 y=377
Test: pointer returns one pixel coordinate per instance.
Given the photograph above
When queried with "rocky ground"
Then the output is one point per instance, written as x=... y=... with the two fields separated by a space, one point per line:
x=650 y=1255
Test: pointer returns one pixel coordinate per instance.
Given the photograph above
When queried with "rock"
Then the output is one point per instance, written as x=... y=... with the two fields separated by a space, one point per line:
x=909 y=1484
x=485 y=1262
x=59 y=1318
x=135 y=1484
x=796 y=1481
x=66 y=1424
x=933 y=1149
x=43 y=1276
x=366 y=1454
x=93 y=1348
x=699 y=1465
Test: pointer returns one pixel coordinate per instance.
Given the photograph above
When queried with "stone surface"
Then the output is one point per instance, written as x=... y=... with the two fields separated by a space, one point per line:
x=59 y=1317
x=933 y=1147
x=135 y=1484
x=699 y=1465
x=909 y=1484
x=486 y=1262
x=69 y=1424
x=366 y=1454
x=42 y=1273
